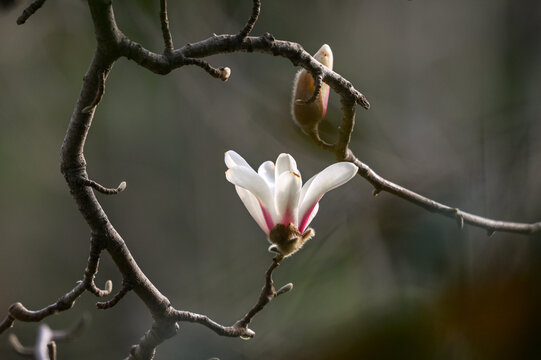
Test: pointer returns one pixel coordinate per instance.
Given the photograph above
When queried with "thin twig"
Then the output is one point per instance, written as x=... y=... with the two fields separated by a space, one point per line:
x=346 y=128
x=74 y=331
x=110 y=303
x=51 y=349
x=314 y=135
x=18 y=311
x=18 y=347
x=6 y=323
x=99 y=292
x=318 y=82
x=267 y=294
x=29 y=11
x=167 y=38
x=102 y=189
x=45 y=348
x=491 y=225
x=256 y=9
x=222 y=73
x=240 y=328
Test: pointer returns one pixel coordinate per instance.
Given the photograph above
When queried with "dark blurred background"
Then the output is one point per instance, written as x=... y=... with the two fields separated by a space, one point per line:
x=454 y=88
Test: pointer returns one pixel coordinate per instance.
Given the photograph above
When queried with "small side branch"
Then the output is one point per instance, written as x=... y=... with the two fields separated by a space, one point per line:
x=29 y=11
x=346 y=128
x=102 y=189
x=222 y=73
x=461 y=217
x=45 y=347
x=109 y=304
x=268 y=293
x=167 y=38
x=240 y=328
x=256 y=9
x=99 y=292
x=18 y=311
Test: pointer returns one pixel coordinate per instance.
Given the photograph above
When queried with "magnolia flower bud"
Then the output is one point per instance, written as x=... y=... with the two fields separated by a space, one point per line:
x=308 y=116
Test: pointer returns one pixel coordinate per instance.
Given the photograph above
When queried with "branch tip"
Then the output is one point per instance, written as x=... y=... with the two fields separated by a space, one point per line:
x=103 y=305
x=98 y=292
x=284 y=289
x=29 y=11
x=222 y=73
x=51 y=348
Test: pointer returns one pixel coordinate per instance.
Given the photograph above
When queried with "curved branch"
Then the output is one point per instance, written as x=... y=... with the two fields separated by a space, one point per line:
x=256 y=9
x=318 y=82
x=240 y=328
x=110 y=303
x=381 y=184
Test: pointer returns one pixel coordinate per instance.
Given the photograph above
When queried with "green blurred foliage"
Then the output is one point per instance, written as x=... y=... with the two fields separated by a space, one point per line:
x=454 y=88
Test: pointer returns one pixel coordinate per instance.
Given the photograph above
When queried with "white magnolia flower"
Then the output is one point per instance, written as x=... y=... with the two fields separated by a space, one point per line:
x=276 y=199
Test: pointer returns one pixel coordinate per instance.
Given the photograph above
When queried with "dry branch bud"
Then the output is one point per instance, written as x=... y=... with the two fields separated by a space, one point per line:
x=309 y=114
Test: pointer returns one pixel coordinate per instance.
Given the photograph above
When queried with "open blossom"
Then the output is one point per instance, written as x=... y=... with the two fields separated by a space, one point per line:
x=276 y=199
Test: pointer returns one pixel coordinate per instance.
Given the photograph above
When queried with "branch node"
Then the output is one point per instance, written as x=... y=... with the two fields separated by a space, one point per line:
x=29 y=11
x=102 y=189
x=376 y=191
x=459 y=218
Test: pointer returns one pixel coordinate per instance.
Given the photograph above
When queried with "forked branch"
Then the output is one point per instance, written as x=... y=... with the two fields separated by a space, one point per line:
x=113 y=44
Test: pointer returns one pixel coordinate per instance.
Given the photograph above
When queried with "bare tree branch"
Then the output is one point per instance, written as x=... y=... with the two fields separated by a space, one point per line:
x=109 y=304
x=45 y=347
x=318 y=81
x=167 y=38
x=30 y=10
x=381 y=184
x=102 y=189
x=113 y=44
x=256 y=9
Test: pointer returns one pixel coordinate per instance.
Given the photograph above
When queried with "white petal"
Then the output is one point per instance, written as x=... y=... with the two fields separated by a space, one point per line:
x=287 y=192
x=266 y=171
x=254 y=208
x=248 y=179
x=285 y=162
x=305 y=187
x=330 y=178
x=304 y=222
x=233 y=159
